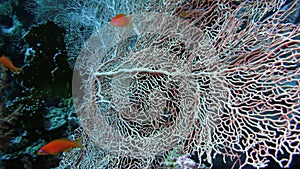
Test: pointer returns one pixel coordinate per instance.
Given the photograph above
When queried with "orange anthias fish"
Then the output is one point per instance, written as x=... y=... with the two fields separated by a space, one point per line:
x=57 y=146
x=121 y=20
x=5 y=61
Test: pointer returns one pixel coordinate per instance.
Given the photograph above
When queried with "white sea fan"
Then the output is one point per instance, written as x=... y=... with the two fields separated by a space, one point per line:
x=216 y=78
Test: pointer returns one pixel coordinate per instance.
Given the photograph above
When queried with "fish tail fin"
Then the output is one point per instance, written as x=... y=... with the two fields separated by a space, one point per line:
x=79 y=142
x=15 y=69
x=130 y=21
x=133 y=26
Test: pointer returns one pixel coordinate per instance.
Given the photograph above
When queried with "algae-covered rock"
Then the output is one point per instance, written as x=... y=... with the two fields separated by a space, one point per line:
x=46 y=66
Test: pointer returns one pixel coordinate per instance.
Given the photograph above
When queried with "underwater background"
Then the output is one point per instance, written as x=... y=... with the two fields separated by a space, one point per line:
x=43 y=39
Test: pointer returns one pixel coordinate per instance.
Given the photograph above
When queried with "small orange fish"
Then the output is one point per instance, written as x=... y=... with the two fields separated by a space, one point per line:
x=191 y=13
x=58 y=146
x=5 y=61
x=185 y=14
x=121 y=20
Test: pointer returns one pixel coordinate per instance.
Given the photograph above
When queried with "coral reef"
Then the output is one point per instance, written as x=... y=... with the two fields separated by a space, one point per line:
x=7 y=120
x=82 y=18
x=29 y=95
x=220 y=80
x=192 y=84
x=46 y=68
x=7 y=128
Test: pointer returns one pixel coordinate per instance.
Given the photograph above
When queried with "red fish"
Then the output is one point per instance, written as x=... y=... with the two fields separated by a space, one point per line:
x=121 y=20
x=5 y=61
x=58 y=146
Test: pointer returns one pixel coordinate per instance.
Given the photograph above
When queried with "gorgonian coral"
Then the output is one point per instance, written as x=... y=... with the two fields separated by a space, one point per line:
x=215 y=78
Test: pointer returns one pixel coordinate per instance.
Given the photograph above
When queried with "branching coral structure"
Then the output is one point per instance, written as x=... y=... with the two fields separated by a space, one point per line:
x=223 y=83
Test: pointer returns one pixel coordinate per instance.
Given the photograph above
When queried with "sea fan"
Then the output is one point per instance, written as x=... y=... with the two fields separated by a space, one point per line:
x=215 y=78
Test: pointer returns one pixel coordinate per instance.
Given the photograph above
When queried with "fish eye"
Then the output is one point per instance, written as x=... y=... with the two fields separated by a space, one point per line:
x=42 y=152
